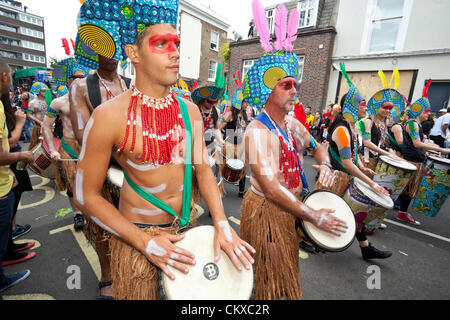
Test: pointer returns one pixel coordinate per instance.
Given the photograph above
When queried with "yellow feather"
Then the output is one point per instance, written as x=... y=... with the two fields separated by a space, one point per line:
x=383 y=78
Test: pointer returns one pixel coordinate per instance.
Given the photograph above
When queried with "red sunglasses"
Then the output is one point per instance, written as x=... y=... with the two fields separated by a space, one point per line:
x=387 y=107
x=288 y=84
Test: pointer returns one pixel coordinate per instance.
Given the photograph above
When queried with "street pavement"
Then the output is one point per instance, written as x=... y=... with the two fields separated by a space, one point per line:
x=66 y=266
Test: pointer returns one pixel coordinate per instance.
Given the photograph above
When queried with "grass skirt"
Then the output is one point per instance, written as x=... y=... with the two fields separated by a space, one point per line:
x=66 y=170
x=271 y=231
x=340 y=185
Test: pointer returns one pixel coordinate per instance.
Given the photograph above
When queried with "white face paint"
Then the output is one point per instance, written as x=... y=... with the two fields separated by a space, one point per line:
x=74 y=93
x=156 y=190
x=103 y=226
x=85 y=137
x=80 y=121
x=288 y=194
x=225 y=226
x=149 y=213
x=79 y=186
x=142 y=168
x=153 y=248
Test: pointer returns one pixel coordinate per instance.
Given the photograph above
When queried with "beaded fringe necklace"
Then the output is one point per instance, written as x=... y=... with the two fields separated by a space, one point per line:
x=162 y=127
x=289 y=159
x=109 y=93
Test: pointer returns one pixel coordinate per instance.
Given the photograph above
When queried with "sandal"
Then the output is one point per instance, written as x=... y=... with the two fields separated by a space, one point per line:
x=102 y=285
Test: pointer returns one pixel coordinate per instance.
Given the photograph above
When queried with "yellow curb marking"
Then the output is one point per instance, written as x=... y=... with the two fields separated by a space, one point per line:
x=36 y=245
x=49 y=193
x=235 y=220
x=199 y=210
x=302 y=254
x=85 y=246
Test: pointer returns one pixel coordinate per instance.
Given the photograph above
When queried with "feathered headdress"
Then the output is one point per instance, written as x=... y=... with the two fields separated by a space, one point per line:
x=353 y=98
x=214 y=92
x=422 y=104
x=279 y=61
x=238 y=96
x=388 y=94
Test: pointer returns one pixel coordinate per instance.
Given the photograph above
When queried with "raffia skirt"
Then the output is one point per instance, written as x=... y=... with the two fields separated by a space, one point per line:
x=34 y=140
x=413 y=185
x=66 y=171
x=133 y=275
x=271 y=231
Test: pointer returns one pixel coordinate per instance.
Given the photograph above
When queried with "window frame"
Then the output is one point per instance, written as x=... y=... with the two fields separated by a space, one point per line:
x=315 y=13
x=302 y=64
x=211 y=41
x=370 y=20
x=215 y=70
x=244 y=73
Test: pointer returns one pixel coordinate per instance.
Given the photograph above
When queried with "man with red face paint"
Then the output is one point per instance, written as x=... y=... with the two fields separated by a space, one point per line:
x=157 y=139
x=85 y=96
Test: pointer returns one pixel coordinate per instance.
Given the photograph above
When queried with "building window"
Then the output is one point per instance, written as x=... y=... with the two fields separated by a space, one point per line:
x=301 y=64
x=387 y=24
x=308 y=10
x=7 y=28
x=8 y=14
x=32 y=20
x=214 y=41
x=10 y=55
x=246 y=66
x=33 y=45
x=33 y=58
x=212 y=70
x=9 y=41
x=32 y=33
x=270 y=19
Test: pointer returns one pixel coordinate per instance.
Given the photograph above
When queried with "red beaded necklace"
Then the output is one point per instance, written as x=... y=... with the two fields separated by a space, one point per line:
x=162 y=127
x=109 y=93
x=289 y=162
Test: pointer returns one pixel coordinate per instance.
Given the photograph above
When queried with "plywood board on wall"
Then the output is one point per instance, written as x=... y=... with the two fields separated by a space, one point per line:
x=369 y=83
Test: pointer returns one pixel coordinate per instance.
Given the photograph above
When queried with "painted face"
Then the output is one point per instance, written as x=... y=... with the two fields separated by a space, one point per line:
x=164 y=43
x=284 y=94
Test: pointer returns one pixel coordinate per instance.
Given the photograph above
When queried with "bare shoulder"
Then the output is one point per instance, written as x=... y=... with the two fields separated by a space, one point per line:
x=193 y=110
x=58 y=103
x=114 y=109
x=79 y=85
x=295 y=124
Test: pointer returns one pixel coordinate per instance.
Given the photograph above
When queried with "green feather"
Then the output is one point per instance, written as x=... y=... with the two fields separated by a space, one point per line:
x=48 y=97
x=344 y=73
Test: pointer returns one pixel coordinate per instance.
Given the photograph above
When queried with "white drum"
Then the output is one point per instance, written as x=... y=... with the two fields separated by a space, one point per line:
x=324 y=199
x=207 y=280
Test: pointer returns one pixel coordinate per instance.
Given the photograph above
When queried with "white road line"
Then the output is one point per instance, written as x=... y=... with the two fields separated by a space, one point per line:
x=418 y=230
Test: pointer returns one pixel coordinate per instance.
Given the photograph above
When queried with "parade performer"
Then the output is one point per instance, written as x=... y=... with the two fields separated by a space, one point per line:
x=206 y=99
x=375 y=135
x=152 y=135
x=230 y=131
x=64 y=73
x=413 y=150
x=85 y=96
x=273 y=144
x=343 y=151
x=36 y=111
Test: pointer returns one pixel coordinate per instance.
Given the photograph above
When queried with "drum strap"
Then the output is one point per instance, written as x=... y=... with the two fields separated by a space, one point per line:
x=69 y=150
x=339 y=160
x=186 y=209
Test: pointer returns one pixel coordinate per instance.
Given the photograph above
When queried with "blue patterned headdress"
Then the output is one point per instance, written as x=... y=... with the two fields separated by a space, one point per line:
x=36 y=87
x=108 y=26
x=352 y=100
x=388 y=95
x=62 y=91
x=420 y=105
x=214 y=92
x=85 y=55
x=278 y=62
x=65 y=69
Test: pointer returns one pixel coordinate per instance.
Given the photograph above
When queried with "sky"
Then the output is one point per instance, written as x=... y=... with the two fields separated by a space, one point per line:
x=60 y=18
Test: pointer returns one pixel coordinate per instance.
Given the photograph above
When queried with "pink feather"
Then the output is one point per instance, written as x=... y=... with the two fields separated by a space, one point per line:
x=292 y=28
x=280 y=26
x=259 y=16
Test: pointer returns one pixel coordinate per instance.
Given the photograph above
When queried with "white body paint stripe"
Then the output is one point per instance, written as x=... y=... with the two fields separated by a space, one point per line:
x=142 y=167
x=156 y=190
x=144 y=212
x=79 y=186
x=103 y=226
x=80 y=121
x=226 y=229
x=85 y=137
x=153 y=248
x=288 y=194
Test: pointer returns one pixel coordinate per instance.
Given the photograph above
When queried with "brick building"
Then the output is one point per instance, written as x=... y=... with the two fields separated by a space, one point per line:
x=22 y=36
x=314 y=48
x=202 y=33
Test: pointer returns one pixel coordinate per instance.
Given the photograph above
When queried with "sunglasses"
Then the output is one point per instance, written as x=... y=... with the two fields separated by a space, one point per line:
x=388 y=107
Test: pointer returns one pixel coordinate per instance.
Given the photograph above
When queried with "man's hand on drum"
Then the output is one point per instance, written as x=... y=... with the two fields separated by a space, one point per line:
x=326 y=177
x=162 y=252
x=325 y=220
x=367 y=171
x=379 y=189
x=225 y=238
x=55 y=155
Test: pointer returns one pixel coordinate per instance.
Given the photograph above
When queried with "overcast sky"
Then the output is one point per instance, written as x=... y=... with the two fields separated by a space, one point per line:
x=60 y=18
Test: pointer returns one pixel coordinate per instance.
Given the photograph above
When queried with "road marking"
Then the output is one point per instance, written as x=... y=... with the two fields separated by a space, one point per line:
x=418 y=230
x=85 y=246
x=199 y=210
x=36 y=245
x=403 y=253
x=302 y=254
x=49 y=193
x=32 y=296
x=235 y=220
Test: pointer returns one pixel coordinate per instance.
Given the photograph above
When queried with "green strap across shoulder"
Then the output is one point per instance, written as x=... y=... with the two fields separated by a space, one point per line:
x=69 y=150
x=186 y=208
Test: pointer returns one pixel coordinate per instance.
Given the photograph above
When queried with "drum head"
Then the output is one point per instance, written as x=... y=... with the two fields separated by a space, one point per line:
x=235 y=164
x=324 y=199
x=405 y=165
x=207 y=280
x=115 y=176
x=381 y=200
x=440 y=160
